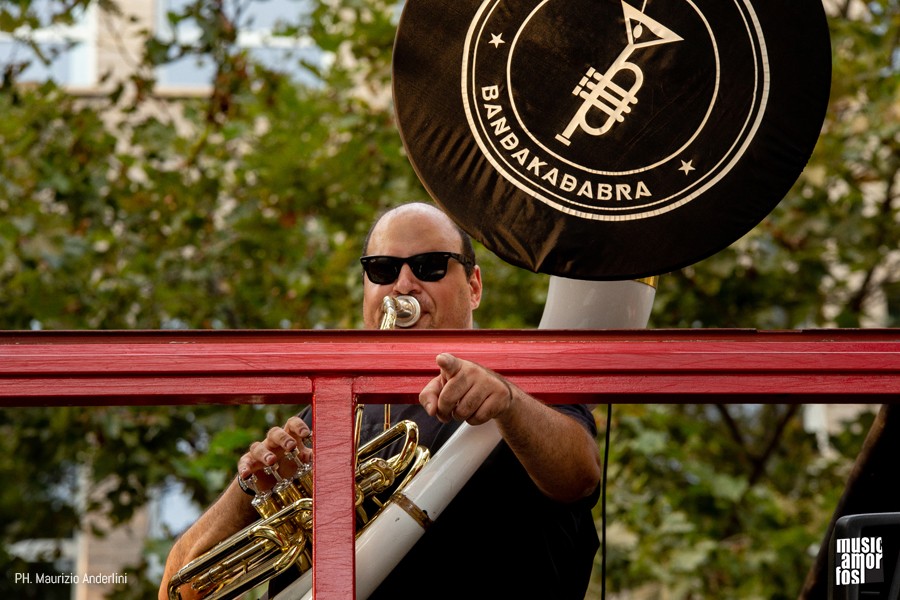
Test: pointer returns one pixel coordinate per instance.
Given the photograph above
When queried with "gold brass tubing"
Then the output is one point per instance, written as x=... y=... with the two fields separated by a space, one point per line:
x=652 y=281
x=418 y=515
x=227 y=560
x=410 y=433
x=357 y=431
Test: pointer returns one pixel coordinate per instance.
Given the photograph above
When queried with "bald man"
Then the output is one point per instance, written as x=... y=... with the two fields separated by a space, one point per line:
x=522 y=527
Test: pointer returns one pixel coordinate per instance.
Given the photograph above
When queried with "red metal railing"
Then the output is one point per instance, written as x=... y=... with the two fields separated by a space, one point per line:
x=333 y=370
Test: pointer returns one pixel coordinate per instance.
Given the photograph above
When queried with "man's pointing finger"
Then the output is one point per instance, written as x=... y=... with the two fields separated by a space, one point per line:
x=449 y=365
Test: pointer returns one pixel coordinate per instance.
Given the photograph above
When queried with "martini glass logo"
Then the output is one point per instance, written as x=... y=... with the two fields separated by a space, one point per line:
x=602 y=91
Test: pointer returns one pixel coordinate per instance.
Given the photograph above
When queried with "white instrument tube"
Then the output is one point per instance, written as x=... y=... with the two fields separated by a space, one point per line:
x=578 y=304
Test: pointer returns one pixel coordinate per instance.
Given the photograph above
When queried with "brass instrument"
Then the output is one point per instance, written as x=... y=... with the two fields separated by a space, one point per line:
x=283 y=537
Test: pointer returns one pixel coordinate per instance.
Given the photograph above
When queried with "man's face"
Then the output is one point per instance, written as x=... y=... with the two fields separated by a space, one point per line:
x=447 y=303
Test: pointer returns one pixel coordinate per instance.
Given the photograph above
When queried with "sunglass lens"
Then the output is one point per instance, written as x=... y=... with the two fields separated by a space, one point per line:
x=429 y=267
x=383 y=270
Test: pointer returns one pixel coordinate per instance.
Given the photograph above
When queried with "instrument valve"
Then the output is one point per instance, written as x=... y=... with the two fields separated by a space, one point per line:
x=263 y=502
x=272 y=471
x=301 y=477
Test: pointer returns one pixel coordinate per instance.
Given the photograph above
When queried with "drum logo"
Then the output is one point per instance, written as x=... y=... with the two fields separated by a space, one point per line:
x=611 y=110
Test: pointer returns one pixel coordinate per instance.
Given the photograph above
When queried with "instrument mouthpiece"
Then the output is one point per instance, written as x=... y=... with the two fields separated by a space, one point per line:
x=402 y=311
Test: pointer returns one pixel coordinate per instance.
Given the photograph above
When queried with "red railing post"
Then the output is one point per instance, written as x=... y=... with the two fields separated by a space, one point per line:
x=333 y=485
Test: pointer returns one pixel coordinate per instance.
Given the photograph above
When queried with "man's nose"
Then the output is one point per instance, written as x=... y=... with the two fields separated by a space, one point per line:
x=406 y=281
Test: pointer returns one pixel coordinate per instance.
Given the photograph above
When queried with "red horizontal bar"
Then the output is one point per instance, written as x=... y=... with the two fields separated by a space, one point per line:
x=60 y=391
x=126 y=389
x=163 y=367
x=397 y=352
x=657 y=387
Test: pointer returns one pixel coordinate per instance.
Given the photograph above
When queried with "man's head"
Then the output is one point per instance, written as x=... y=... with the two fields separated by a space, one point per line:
x=414 y=229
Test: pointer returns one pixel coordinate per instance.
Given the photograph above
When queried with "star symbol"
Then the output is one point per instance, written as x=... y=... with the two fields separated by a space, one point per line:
x=687 y=167
x=496 y=40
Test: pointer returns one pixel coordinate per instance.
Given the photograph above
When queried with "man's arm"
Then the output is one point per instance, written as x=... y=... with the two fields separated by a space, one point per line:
x=558 y=452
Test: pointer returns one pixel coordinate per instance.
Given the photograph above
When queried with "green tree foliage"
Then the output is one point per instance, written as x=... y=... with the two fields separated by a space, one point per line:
x=256 y=197
x=719 y=501
x=246 y=208
x=828 y=254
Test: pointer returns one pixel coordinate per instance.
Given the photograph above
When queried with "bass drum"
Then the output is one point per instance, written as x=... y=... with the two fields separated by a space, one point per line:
x=610 y=139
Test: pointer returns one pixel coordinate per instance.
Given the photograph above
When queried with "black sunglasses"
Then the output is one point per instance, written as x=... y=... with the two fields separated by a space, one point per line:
x=428 y=266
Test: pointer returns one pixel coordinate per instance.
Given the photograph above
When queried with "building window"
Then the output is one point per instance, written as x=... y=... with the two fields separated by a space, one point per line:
x=257 y=22
x=65 y=54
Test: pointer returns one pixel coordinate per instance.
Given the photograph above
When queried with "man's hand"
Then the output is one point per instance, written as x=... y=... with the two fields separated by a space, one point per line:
x=466 y=391
x=558 y=452
x=278 y=442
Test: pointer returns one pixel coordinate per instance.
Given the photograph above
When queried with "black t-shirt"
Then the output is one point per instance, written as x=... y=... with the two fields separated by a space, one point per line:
x=500 y=537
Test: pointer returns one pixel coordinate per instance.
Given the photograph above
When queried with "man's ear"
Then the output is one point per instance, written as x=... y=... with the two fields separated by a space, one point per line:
x=475 y=286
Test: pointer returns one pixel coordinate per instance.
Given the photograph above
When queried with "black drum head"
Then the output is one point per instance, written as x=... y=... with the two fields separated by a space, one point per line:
x=610 y=139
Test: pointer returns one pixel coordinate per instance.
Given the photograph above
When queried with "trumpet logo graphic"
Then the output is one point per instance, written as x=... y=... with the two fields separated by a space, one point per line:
x=608 y=92
x=658 y=116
